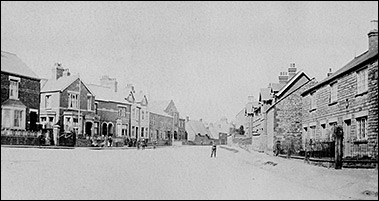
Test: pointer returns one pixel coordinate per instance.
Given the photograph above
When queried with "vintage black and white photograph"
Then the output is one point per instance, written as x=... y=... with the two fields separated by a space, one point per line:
x=189 y=100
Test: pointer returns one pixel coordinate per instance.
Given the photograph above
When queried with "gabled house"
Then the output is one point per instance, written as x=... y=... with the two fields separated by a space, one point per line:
x=164 y=120
x=139 y=119
x=68 y=102
x=20 y=88
x=197 y=132
x=283 y=119
x=347 y=98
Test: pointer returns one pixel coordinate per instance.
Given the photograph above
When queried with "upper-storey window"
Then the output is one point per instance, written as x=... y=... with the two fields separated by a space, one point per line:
x=89 y=102
x=313 y=100
x=362 y=81
x=73 y=100
x=48 y=101
x=333 y=93
x=13 y=89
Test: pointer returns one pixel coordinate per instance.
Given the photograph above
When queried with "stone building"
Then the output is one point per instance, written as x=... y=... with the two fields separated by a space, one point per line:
x=284 y=117
x=348 y=98
x=67 y=101
x=20 y=88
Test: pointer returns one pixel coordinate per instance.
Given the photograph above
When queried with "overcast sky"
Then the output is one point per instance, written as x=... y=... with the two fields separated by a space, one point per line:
x=206 y=56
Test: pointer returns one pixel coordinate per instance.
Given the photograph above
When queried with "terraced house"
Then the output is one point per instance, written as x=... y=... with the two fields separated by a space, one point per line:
x=164 y=121
x=139 y=119
x=348 y=98
x=20 y=88
x=112 y=108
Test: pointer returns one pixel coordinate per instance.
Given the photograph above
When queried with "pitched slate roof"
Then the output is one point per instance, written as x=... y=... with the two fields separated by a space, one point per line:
x=60 y=84
x=193 y=127
x=265 y=94
x=14 y=103
x=291 y=81
x=275 y=86
x=353 y=64
x=158 y=107
x=107 y=94
x=10 y=63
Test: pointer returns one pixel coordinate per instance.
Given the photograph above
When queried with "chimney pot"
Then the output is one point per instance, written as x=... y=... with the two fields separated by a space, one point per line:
x=373 y=36
x=330 y=72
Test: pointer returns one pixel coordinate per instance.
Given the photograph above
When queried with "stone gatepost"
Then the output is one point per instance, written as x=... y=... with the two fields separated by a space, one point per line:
x=56 y=130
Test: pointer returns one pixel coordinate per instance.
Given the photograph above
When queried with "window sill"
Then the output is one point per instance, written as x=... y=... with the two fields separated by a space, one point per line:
x=361 y=94
x=311 y=110
x=362 y=141
x=332 y=103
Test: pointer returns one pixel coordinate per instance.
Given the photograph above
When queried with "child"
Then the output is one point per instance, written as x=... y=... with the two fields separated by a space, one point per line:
x=213 y=150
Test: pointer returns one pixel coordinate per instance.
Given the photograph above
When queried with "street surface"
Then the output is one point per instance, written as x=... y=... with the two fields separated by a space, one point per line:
x=185 y=172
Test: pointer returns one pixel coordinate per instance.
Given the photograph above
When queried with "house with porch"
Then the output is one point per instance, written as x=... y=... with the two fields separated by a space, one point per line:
x=67 y=101
x=20 y=88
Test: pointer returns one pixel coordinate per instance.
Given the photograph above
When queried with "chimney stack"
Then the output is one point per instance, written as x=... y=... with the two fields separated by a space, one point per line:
x=283 y=78
x=109 y=82
x=66 y=72
x=329 y=73
x=57 y=71
x=373 y=36
x=291 y=70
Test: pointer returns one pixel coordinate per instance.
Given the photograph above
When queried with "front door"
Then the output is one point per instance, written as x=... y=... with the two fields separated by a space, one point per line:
x=88 y=129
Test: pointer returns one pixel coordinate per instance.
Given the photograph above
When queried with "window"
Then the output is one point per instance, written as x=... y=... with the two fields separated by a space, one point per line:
x=13 y=117
x=6 y=117
x=17 y=118
x=312 y=132
x=73 y=101
x=362 y=128
x=313 y=101
x=142 y=131
x=362 y=81
x=119 y=129
x=122 y=111
x=96 y=106
x=43 y=119
x=143 y=115
x=124 y=130
x=133 y=131
x=13 y=89
x=333 y=93
x=332 y=125
x=323 y=131
x=51 y=119
x=89 y=102
x=48 y=101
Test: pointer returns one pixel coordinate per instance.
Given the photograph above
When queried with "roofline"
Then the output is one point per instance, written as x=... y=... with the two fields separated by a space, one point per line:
x=113 y=101
x=292 y=81
x=278 y=101
x=35 y=78
x=333 y=77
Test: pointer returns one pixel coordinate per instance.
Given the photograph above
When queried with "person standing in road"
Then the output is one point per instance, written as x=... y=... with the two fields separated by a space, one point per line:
x=213 y=149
